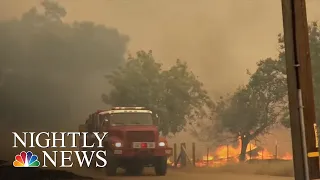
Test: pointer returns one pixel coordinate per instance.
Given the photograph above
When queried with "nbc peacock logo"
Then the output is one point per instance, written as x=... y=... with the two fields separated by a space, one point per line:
x=26 y=159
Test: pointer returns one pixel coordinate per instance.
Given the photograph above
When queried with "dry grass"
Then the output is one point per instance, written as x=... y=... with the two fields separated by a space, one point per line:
x=261 y=168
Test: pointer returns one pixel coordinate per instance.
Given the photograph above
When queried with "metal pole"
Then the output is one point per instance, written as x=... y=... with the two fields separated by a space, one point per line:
x=304 y=141
x=298 y=142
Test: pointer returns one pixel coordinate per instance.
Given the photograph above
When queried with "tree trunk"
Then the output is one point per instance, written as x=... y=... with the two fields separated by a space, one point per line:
x=244 y=145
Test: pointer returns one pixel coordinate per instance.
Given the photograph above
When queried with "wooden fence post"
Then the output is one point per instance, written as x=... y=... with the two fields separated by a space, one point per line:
x=183 y=159
x=194 y=153
x=175 y=154
x=276 y=151
x=207 y=156
x=227 y=152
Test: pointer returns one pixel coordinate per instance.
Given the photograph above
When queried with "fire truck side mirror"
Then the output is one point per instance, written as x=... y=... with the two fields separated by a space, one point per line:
x=157 y=120
x=83 y=128
x=106 y=122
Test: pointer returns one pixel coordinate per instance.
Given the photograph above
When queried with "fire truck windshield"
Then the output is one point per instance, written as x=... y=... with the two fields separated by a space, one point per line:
x=120 y=119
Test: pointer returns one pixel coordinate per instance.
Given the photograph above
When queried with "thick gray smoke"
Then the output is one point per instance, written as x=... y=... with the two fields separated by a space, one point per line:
x=52 y=73
x=219 y=39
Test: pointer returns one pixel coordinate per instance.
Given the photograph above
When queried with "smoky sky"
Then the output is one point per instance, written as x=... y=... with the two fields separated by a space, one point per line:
x=49 y=69
x=219 y=39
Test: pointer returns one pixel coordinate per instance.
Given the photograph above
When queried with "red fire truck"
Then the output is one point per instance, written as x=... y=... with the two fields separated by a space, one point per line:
x=133 y=140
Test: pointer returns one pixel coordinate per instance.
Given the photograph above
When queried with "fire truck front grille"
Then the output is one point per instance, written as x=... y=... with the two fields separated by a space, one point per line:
x=140 y=136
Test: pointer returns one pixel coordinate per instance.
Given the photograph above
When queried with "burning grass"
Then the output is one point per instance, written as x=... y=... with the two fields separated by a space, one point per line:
x=225 y=155
x=271 y=168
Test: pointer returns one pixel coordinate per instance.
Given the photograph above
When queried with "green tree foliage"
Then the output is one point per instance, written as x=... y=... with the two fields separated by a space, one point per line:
x=314 y=41
x=44 y=61
x=253 y=109
x=314 y=38
x=176 y=95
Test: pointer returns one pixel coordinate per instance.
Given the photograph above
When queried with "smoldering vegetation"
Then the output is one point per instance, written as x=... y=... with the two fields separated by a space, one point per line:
x=51 y=72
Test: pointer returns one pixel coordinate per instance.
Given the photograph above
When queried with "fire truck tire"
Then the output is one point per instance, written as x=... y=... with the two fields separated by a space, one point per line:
x=135 y=170
x=160 y=166
x=112 y=166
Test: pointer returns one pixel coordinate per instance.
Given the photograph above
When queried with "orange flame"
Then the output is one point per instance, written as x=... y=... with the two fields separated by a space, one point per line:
x=225 y=154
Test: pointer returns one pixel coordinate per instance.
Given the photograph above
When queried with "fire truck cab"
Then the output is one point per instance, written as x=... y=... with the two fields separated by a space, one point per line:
x=133 y=140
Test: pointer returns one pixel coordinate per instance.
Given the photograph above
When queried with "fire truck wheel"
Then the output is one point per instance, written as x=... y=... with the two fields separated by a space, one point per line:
x=135 y=170
x=112 y=166
x=160 y=166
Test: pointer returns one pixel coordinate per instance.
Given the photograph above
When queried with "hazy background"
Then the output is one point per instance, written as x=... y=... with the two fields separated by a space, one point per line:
x=219 y=39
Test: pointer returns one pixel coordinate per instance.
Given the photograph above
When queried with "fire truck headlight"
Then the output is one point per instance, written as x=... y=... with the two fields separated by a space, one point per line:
x=118 y=144
x=162 y=144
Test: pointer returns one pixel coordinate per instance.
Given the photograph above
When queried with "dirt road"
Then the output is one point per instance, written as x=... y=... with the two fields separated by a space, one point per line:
x=173 y=175
x=9 y=172
x=189 y=176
